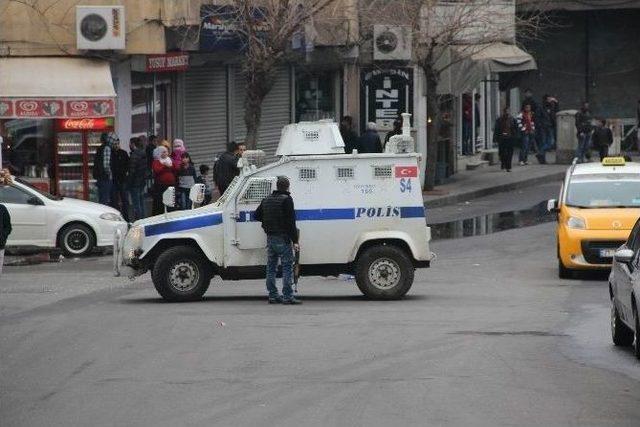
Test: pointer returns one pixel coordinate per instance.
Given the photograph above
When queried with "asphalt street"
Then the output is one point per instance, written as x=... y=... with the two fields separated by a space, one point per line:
x=489 y=336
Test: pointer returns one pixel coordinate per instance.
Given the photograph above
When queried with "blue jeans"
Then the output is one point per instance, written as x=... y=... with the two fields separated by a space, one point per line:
x=137 y=202
x=182 y=196
x=584 y=142
x=279 y=247
x=527 y=140
x=104 y=191
x=547 y=139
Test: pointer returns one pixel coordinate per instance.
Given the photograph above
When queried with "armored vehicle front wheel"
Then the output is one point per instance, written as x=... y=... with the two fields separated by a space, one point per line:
x=181 y=274
x=384 y=272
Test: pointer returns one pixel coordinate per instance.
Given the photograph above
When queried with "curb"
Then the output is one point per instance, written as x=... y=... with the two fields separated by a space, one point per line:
x=482 y=192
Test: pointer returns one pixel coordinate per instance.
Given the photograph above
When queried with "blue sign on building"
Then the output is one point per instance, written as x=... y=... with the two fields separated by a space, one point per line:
x=222 y=28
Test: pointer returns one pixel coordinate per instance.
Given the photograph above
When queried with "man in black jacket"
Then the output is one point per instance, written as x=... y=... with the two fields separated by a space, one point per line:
x=120 y=170
x=505 y=132
x=137 y=177
x=226 y=167
x=602 y=138
x=349 y=137
x=584 y=129
x=5 y=230
x=277 y=215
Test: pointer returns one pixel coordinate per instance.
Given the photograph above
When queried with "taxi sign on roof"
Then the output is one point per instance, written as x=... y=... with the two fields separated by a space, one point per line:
x=613 y=161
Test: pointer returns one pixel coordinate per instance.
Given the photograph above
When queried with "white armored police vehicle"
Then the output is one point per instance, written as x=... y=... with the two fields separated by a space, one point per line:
x=360 y=214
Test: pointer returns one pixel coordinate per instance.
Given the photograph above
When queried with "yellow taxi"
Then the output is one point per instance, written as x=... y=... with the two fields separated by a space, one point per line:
x=599 y=204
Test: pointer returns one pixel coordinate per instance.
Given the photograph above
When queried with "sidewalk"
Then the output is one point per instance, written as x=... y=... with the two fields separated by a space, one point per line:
x=467 y=185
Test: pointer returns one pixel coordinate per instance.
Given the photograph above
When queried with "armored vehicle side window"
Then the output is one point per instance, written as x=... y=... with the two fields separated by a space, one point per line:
x=307 y=174
x=382 y=171
x=256 y=190
x=345 y=173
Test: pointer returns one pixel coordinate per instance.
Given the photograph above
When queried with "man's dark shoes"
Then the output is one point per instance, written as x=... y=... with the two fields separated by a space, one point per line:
x=291 y=301
x=276 y=300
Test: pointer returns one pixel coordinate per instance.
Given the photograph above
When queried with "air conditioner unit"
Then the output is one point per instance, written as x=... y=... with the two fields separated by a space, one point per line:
x=391 y=42
x=100 y=28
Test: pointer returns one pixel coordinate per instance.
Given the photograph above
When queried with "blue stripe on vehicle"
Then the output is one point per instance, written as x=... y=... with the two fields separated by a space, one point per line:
x=412 y=212
x=183 y=224
x=325 y=214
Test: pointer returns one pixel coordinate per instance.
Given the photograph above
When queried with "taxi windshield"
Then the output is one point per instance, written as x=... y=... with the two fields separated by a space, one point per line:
x=604 y=191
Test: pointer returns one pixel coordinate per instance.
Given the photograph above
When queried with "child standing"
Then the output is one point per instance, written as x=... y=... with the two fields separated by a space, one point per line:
x=186 y=175
x=204 y=179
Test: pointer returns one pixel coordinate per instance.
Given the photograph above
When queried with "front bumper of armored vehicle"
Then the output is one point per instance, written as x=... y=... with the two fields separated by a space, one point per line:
x=127 y=249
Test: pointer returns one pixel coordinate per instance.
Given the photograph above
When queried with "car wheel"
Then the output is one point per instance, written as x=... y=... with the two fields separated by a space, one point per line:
x=384 y=272
x=636 y=334
x=77 y=240
x=181 y=273
x=620 y=333
x=564 y=272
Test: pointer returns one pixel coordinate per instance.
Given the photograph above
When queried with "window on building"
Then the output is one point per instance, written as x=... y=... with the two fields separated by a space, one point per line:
x=315 y=96
x=150 y=109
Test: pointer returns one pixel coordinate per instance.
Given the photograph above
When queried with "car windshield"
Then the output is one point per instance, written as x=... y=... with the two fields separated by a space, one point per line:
x=604 y=191
x=37 y=190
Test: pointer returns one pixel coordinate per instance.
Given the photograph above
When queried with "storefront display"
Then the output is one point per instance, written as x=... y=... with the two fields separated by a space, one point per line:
x=76 y=143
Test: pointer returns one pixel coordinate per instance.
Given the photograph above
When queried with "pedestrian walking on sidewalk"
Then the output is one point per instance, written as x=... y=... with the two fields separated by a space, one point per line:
x=602 y=138
x=137 y=177
x=163 y=177
x=504 y=134
x=277 y=215
x=5 y=218
x=186 y=177
x=120 y=169
x=584 y=128
x=102 y=172
x=527 y=128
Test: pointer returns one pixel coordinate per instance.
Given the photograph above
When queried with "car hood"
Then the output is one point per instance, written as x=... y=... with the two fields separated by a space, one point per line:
x=83 y=206
x=176 y=215
x=607 y=219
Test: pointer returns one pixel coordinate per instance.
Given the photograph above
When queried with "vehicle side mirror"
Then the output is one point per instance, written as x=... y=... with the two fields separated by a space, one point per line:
x=552 y=205
x=35 y=201
x=196 y=194
x=169 y=197
x=623 y=256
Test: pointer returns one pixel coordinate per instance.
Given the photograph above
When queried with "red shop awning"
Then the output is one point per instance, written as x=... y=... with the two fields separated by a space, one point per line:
x=52 y=87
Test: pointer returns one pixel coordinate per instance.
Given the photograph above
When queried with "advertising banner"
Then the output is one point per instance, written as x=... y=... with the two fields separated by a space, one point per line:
x=173 y=61
x=220 y=29
x=44 y=108
x=385 y=94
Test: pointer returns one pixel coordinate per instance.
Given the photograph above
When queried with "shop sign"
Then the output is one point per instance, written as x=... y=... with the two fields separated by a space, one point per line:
x=386 y=93
x=90 y=108
x=220 y=27
x=174 y=61
x=103 y=123
x=56 y=108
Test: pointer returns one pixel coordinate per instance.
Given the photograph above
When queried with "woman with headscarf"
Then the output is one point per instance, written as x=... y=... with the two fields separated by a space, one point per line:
x=176 y=154
x=163 y=176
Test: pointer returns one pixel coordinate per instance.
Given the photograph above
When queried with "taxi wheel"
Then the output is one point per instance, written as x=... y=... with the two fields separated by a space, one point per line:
x=564 y=272
x=181 y=274
x=384 y=272
x=620 y=333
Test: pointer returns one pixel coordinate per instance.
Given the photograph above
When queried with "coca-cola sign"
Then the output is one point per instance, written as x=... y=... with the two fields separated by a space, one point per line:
x=85 y=124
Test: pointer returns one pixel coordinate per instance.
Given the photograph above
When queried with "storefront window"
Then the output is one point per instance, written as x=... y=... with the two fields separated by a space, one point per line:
x=149 y=117
x=315 y=96
x=28 y=145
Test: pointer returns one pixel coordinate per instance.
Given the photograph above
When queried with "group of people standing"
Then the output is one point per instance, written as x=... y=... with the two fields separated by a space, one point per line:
x=369 y=141
x=151 y=166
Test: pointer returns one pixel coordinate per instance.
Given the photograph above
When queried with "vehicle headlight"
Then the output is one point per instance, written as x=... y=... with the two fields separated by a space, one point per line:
x=110 y=216
x=576 y=222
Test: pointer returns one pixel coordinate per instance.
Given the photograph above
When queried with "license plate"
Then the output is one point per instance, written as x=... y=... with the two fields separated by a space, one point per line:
x=607 y=253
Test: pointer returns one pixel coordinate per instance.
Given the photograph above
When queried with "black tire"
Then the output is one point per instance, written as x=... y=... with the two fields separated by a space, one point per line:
x=181 y=273
x=620 y=333
x=636 y=334
x=384 y=272
x=564 y=272
x=76 y=240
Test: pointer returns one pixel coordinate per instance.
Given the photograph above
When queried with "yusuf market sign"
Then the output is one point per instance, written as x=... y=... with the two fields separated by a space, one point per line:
x=51 y=108
x=173 y=61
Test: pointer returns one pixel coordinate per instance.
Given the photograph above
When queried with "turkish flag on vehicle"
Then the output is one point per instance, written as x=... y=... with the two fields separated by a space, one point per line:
x=406 y=171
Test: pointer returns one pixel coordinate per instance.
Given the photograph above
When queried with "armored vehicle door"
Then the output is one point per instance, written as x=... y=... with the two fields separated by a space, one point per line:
x=249 y=233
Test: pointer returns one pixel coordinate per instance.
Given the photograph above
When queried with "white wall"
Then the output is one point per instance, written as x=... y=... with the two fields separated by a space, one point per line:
x=419 y=119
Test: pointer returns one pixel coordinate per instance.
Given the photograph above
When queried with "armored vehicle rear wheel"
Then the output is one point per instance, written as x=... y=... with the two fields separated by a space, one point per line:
x=181 y=274
x=384 y=272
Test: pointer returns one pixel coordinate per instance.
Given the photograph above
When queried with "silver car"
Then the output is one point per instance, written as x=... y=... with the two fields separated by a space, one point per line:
x=624 y=290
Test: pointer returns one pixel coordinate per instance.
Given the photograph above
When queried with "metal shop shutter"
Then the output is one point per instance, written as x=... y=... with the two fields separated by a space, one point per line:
x=205 y=113
x=276 y=111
